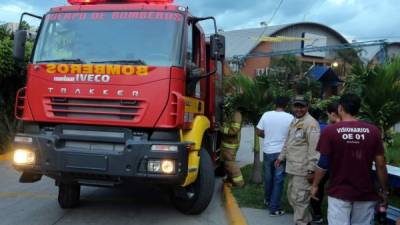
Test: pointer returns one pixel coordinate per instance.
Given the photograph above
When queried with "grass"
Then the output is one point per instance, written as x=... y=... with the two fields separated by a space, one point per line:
x=252 y=195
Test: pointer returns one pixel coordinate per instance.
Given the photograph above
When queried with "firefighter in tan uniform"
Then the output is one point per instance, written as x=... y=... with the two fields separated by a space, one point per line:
x=230 y=145
x=301 y=158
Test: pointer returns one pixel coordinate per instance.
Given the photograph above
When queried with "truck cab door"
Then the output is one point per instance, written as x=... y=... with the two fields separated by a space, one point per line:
x=195 y=62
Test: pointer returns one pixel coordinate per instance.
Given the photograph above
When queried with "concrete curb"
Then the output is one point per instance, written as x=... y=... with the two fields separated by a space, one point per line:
x=6 y=156
x=232 y=210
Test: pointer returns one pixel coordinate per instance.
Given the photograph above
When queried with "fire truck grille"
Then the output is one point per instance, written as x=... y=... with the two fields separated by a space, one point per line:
x=96 y=108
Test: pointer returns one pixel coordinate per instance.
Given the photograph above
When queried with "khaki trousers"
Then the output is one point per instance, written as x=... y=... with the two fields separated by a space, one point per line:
x=231 y=167
x=299 y=198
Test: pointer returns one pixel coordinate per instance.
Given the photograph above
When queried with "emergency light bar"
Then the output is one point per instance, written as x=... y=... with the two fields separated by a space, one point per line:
x=92 y=2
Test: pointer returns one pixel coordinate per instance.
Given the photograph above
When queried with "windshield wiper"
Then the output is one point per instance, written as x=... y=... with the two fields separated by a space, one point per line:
x=62 y=61
x=128 y=62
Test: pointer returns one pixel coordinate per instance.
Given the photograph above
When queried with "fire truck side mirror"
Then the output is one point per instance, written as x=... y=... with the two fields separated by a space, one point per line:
x=19 y=45
x=217 y=45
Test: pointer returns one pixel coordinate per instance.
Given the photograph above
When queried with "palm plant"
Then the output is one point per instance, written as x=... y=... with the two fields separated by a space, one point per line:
x=379 y=88
x=250 y=95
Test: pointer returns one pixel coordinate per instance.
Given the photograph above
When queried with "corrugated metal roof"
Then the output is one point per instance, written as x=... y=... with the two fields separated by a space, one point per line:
x=377 y=51
x=241 y=42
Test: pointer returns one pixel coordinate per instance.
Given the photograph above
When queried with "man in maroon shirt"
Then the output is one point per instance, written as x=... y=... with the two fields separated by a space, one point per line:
x=348 y=149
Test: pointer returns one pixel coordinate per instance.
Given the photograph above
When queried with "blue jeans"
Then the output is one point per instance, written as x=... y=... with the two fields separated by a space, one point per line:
x=273 y=181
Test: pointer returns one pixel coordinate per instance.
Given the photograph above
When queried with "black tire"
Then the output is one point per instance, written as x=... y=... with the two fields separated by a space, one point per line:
x=199 y=194
x=68 y=195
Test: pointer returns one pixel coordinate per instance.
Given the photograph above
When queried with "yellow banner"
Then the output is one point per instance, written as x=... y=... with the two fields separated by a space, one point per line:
x=282 y=39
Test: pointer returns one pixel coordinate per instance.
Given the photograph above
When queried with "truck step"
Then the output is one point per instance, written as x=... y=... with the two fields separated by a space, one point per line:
x=102 y=183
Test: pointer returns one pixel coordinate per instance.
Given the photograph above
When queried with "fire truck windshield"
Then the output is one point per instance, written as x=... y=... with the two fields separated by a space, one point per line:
x=146 y=38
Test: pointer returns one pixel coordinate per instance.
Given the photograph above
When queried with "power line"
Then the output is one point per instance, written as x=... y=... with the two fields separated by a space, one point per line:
x=276 y=10
x=269 y=21
x=265 y=27
x=316 y=49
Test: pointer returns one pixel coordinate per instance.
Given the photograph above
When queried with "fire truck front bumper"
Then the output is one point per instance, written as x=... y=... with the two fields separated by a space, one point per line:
x=100 y=158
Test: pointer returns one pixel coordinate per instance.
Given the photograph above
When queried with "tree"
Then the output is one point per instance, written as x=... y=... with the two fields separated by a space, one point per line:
x=12 y=77
x=349 y=57
x=4 y=32
x=291 y=66
x=25 y=25
x=251 y=97
x=290 y=75
x=379 y=88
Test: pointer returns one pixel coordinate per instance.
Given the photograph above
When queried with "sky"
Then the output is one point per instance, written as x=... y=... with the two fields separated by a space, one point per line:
x=355 y=19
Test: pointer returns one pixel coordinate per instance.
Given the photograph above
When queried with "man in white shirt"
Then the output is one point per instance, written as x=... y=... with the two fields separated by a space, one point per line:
x=273 y=127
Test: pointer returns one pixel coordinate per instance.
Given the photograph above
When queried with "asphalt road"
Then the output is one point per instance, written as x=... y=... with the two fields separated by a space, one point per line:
x=36 y=204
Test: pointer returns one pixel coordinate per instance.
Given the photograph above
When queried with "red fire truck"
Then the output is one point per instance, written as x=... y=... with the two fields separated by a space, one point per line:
x=121 y=92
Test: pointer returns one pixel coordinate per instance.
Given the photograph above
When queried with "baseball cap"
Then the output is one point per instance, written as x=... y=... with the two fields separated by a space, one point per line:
x=300 y=100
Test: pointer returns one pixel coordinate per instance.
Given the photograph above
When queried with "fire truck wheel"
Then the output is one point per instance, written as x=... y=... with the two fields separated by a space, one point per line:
x=68 y=195
x=195 y=198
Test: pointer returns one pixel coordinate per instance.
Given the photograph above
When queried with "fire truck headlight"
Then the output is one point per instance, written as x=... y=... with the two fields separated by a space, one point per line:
x=24 y=157
x=161 y=166
x=167 y=166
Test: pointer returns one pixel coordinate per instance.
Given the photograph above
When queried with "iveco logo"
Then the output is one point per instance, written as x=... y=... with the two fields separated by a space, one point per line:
x=84 y=78
x=93 y=78
x=92 y=91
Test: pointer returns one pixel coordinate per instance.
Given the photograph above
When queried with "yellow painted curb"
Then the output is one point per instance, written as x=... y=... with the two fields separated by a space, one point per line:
x=232 y=210
x=6 y=156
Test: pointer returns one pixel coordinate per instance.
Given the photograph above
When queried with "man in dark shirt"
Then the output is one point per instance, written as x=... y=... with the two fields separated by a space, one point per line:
x=348 y=149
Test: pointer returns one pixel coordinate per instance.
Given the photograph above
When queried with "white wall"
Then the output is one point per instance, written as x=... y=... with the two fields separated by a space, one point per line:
x=397 y=128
